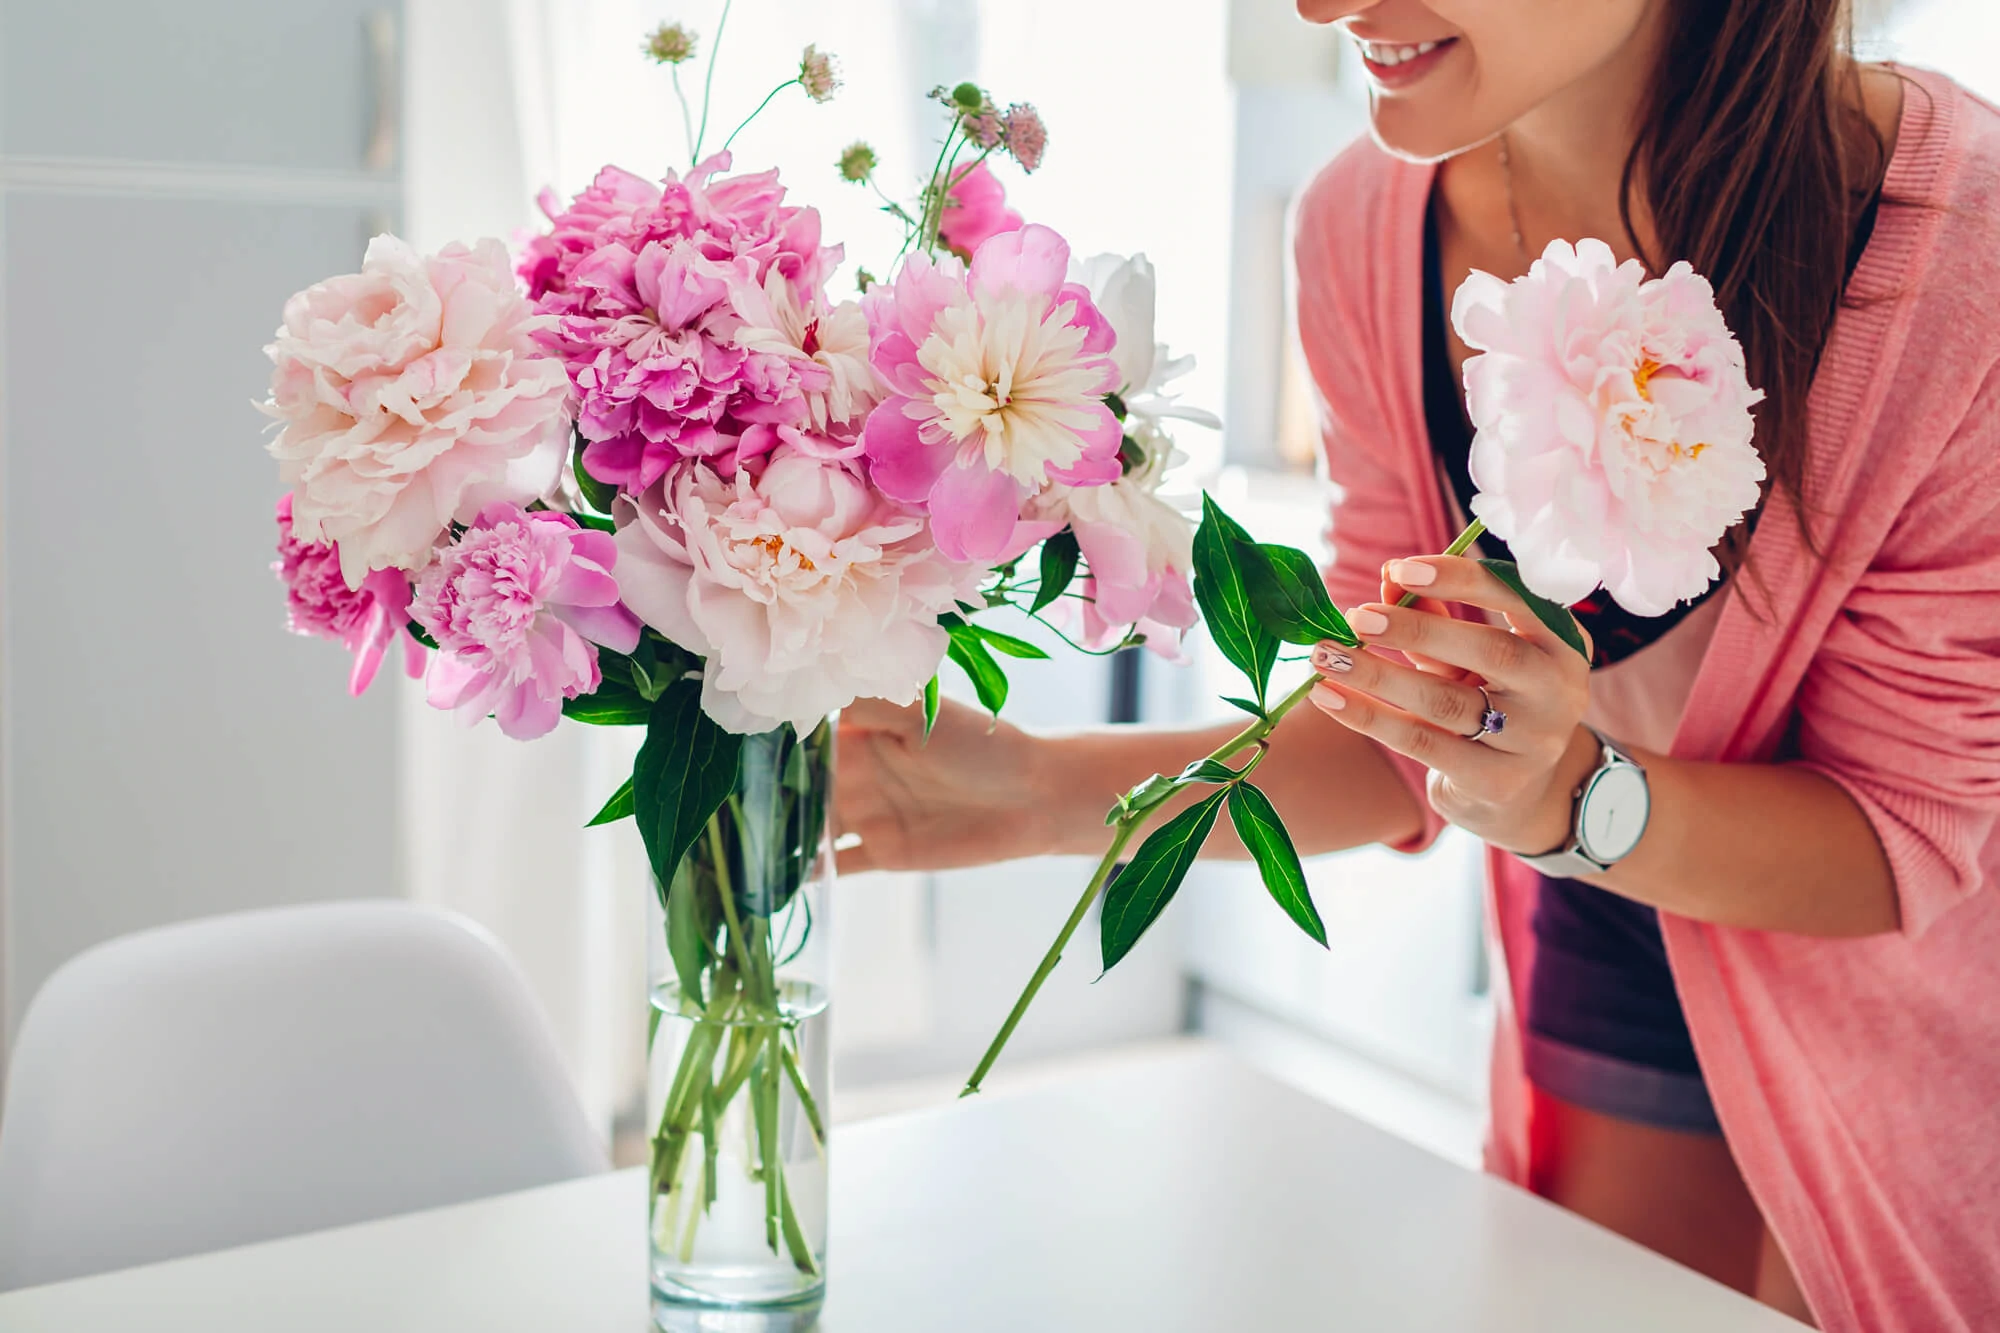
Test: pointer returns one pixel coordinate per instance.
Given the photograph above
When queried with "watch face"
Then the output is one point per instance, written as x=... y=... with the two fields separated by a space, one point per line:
x=1613 y=813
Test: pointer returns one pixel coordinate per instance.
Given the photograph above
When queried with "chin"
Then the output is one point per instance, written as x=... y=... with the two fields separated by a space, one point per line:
x=1418 y=133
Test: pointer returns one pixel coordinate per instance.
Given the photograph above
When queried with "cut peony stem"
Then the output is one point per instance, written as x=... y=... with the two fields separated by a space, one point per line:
x=1126 y=828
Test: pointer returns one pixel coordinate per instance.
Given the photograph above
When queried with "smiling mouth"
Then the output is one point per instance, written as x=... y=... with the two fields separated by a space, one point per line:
x=1399 y=63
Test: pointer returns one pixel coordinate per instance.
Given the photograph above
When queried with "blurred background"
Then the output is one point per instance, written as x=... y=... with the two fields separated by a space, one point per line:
x=169 y=173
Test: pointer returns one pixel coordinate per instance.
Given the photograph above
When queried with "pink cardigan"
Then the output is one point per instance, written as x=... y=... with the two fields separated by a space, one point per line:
x=1858 y=1081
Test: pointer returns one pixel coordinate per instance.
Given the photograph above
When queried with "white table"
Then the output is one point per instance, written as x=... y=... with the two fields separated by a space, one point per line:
x=1188 y=1193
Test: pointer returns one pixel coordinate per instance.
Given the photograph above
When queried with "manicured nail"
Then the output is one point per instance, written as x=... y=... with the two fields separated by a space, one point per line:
x=1412 y=573
x=1364 y=621
x=1329 y=658
x=1329 y=699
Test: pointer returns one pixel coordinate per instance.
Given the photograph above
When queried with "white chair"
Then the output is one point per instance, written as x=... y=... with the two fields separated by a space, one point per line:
x=258 y=1075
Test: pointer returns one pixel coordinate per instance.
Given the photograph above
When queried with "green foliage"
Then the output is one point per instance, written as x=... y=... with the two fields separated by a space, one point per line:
x=1557 y=618
x=598 y=495
x=1224 y=599
x=968 y=649
x=1060 y=555
x=686 y=768
x=615 y=809
x=1149 y=881
x=1270 y=846
x=1289 y=596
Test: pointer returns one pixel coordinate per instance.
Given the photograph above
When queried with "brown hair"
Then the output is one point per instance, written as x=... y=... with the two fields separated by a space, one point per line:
x=1757 y=161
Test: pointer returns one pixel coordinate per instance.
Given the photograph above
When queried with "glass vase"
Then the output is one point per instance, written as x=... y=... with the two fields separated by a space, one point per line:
x=738 y=1053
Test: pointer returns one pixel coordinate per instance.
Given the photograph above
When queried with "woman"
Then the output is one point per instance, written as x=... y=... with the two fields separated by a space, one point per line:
x=1759 y=1038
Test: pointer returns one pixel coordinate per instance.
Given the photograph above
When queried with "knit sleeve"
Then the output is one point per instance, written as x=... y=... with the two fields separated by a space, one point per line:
x=1373 y=509
x=1901 y=705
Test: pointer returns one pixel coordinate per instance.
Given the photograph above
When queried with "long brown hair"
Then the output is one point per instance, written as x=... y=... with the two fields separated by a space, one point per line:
x=1756 y=162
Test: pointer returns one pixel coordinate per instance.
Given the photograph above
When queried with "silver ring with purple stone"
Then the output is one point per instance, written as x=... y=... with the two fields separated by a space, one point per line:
x=1491 y=720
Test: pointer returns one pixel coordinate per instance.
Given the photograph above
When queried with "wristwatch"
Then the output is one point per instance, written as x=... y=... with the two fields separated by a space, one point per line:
x=1612 y=807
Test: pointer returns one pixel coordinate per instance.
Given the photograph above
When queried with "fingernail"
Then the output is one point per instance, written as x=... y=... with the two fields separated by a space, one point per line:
x=1412 y=573
x=1331 y=700
x=1329 y=658
x=1363 y=621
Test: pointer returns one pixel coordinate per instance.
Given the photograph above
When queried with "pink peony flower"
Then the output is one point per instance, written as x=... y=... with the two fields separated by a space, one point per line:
x=413 y=394
x=803 y=587
x=364 y=620
x=1139 y=548
x=1613 y=423
x=998 y=376
x=646 y=284
x=515 y=604
x=975 y=209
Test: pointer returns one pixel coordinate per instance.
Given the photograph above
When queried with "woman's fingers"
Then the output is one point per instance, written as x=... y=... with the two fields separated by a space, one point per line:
x=1499 y=657
x=1450 y=705
x=1405 y=733
x=1455 y=578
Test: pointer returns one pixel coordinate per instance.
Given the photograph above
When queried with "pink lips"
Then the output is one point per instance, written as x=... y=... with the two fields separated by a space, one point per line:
x=1407 y=72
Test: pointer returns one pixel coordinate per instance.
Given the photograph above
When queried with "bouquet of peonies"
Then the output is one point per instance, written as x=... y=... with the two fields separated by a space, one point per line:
x=649 y=472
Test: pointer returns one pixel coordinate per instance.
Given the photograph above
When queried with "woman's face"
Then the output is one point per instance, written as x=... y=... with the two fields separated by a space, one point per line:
x=1445 y=75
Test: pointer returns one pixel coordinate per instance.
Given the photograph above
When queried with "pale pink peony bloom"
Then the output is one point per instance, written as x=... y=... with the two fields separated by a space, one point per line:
x=1613 y=424
x=780 y=319
x=998 y=375
x=642 y=280
x=413 y=394
x=515 y=604
x=364 y=620
x=975 y=210
x=1139 y=548
x=802 y=587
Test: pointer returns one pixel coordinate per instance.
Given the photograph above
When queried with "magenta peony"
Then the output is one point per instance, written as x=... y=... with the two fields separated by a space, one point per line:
x=975 y=210
x=648 y=287
x=515 y=604
x=364 y=620
x=413 y=394
x=1613 y=424
x=998 y=376
x=803 y=587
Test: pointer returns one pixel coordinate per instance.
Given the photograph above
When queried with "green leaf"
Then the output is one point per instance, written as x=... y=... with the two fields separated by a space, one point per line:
x=690 y=934
x=1253 y=709
x=931 y=701
x=1148 y=883
x=1555 y=617
x=1290 y=598
x=1207 y=770
x=1270 y=846
x=988 y=680
x=611 y=705
x=1059 y=559
x=420 y=634
x=1225 y=601
x=598 y=495
x=1008 y=644
x=615 y=809
x=595 y=522
x=686 y=768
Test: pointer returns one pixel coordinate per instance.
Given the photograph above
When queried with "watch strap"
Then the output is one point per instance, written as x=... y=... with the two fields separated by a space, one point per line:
x=1570 y=860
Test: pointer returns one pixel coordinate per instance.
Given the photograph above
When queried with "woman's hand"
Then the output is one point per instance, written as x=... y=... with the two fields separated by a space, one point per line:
x=1513 y=787
x=967 y=795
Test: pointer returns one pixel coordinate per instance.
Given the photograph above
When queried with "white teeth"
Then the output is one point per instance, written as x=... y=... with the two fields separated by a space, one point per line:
x=1383 y=54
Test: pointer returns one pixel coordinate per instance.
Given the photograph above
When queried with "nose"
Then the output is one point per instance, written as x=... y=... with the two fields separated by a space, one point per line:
x=1332 y=11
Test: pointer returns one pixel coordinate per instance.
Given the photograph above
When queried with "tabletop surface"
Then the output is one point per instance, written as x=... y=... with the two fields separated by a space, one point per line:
x=1187 y=1193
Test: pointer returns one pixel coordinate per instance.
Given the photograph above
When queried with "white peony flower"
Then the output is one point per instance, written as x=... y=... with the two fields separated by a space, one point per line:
x=803 y=588
x=1613 y=425
x=1123 y=290
x=413 y=394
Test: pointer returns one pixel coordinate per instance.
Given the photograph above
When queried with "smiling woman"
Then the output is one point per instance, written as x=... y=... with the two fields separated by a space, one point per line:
x=1695 y=1034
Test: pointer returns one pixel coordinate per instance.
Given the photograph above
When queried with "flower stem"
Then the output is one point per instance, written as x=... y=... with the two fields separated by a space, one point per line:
x=1124 y=831
x=1459 y=546
x=788 y=83
x=708 y=80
